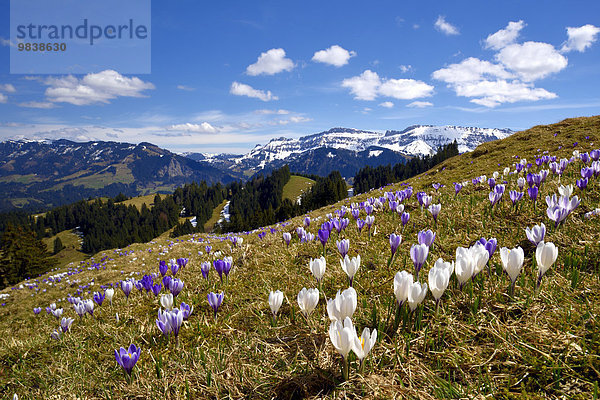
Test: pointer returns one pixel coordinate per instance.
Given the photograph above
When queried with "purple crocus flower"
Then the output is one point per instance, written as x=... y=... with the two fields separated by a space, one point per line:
x=492 y=183
x=287 y=238
x=175 y=286
x=533 y=193
x=337 y=224
x=404 y=218
x=369 y=209
x=457 y=188
x=37 y=310
x=360 y=223
x=536 y=234
x=418 y=254
x=585 y=157
x=393 y=204
x=355 y=213
x=186 y=310
x=227 y=264
x=343 y=247
x=99 y=298
x=595 y=154
x=126 y=287
x=494 y=197
x=163 y=322
x=262 y=235
x=174 y=266
x=156 y=289
x=435 y=209
x=147 y=282
x=490 y=245
x=395 y=241
x=219 y=266
x=182 y=262
x=370 y=220
x=175 y=318
x=166 y=281
x=515 y=196
x=426 y=237
x=205 y=269
x=323 y=236
x=215 y=300
x=587 y=172
x=163 y=268
x=65 y=324
x=582 y=183
x=128 y=358
x=209 y=248
x=307 y=221
x=300 y=232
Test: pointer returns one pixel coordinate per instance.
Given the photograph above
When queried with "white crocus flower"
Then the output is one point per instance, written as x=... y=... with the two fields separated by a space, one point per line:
x=439 y=277
x=463 y=268
x=275 y=301
x=363 y=344
x=109 y=293
x=402 y=282
x=350 y=266
x=343 y=305
x=166 y=300
x=416 y=294
x=342 y=336
x=545 y=255
x=307 y=300
x=317 y=267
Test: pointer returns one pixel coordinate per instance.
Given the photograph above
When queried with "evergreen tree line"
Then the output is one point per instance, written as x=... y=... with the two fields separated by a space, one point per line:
x=197 y=200
x=260 y=201
x=109 y=224
x=368 y=178
x=22 y=255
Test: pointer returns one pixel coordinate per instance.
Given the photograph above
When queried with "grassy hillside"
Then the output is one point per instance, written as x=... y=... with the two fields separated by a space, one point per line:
x=480 y=343
x=72 y=251
x=296 y=186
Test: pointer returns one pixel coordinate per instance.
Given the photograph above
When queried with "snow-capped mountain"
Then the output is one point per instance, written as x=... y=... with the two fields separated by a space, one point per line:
x=350 y=149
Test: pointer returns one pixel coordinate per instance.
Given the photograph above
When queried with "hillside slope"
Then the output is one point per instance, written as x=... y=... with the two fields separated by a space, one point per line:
x=42 y=174
x=480 y=343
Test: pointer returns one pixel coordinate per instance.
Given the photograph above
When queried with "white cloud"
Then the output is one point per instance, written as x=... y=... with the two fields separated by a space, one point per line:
x=532 y=60
x=405 y=68
x=488 y=84
x=368 y=85
x=494 y=93
x=363 y=86
x=270 y=112
x=8 y=88
x=387 y=104
x=470 y=70
x=37 y=104
x=241 y=89
x=419 y=104
x=270 y=63
x=94 y=88
x=186 y=88
x=335 y=55
x=405 y=89
x=504 y=37
x=204 y=127
x=580 y=38
x=3 y=98
x=445 y=27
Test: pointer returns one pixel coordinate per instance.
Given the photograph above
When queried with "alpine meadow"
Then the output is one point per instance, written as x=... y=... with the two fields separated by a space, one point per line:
x=476 y=279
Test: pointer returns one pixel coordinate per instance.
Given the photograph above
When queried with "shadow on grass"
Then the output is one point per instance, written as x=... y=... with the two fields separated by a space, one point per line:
x=318 y=382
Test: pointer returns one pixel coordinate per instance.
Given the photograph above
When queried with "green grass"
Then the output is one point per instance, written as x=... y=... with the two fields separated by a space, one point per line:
x=24 y=179
x=138 y=201
x=71 y=253
x=296 y=186
x=214 y=218
x=480 y=344
x=100 y=179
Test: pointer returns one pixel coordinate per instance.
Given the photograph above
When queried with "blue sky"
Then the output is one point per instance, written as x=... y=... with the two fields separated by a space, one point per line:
x=228 y=75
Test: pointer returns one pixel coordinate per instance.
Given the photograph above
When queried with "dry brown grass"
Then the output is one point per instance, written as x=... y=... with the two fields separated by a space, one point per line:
x=481 y=344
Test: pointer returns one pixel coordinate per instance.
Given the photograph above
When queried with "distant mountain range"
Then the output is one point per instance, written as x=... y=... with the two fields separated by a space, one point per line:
x=347 y=150
x=42 y=174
